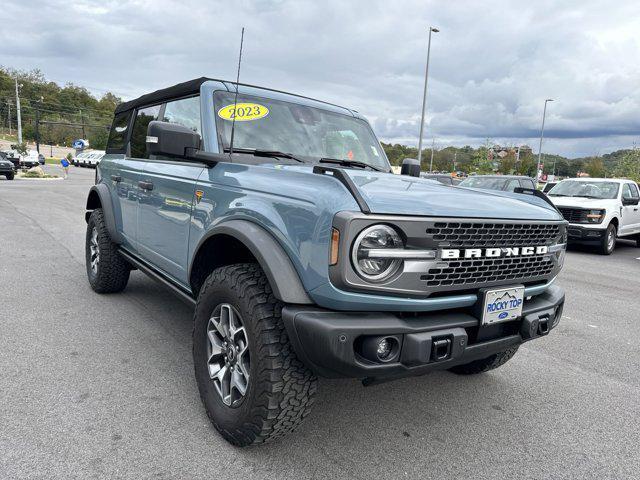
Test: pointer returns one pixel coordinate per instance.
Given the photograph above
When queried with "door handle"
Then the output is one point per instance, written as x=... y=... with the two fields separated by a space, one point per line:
x=116 y=178
x=145 y=185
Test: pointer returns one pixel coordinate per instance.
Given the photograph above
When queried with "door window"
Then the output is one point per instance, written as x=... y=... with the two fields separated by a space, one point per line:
x=139 y=132
x=527 y=184
x=634 y=190
x=185 y=112
x=512 y=185
x=118 y=133
x=626 y=192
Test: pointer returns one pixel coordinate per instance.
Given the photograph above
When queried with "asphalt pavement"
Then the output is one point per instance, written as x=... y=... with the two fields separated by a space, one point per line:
x=102 y=386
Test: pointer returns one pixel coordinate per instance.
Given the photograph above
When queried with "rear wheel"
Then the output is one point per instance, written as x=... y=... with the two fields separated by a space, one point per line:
x=608 y=242
x=9 y=176
x=252 y=385
x=107 y=271
x=486 y=364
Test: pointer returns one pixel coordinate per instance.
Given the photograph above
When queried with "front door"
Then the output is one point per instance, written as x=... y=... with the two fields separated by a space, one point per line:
x=630 y=213
x=166 y=199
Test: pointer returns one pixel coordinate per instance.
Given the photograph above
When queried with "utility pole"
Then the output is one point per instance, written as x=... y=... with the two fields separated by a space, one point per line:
x=18 y=110
x=424 y=97
x=82 y=120
x=433 y=145
x=38 y=125
x=544 y=114
x=9 y=115
x=455 y=160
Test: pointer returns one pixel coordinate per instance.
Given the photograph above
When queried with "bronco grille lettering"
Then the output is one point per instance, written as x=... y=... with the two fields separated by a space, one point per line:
x=451 y=253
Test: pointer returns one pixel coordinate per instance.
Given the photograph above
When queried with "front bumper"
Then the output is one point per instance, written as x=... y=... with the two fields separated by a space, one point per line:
x=328 y=342
x=577 y=233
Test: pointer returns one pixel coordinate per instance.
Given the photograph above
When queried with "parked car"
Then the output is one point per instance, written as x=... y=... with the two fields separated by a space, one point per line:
x=6 y=168
x=445 y=179
x=548 y=186
x=9 y=156
x=505 y=183
x=599 y=210
x=304 y=256
x=29 y=160
x=93 y=158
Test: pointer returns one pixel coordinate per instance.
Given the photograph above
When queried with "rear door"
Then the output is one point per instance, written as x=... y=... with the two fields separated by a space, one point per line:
x=166 y=206
x=125 y=181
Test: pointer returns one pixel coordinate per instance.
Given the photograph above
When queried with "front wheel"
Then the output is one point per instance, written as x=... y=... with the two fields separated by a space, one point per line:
x=9 y=176
x=608 y=242
x=252 y=385
x=486 y=364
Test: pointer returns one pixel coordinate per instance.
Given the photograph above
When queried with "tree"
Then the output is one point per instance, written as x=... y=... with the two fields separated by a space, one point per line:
x=629 y=165
x=595 y=167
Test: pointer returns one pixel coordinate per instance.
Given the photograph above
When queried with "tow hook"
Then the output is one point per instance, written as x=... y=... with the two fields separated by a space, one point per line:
x=543 y=325
x=441 y=349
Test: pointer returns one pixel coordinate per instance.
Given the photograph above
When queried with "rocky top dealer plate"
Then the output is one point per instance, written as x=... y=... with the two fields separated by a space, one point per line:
x=502 y=305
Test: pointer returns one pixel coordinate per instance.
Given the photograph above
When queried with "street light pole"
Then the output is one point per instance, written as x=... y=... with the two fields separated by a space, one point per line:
x=544 y=114
x=433 y=146
x=424 y=97
x=18 y=110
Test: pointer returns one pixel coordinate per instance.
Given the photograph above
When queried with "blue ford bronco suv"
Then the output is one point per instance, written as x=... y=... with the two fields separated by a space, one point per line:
x=278 y=217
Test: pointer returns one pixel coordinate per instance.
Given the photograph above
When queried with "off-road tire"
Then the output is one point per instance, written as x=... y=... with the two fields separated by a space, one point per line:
x=281 y=389
x=605 y=248
x=113 y=271
x=486 y=364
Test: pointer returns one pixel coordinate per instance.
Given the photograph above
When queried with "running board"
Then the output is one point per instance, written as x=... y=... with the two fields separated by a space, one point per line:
x=159 y=277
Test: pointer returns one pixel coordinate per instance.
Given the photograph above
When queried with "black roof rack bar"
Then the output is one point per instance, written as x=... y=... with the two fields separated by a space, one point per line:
x=340 y=175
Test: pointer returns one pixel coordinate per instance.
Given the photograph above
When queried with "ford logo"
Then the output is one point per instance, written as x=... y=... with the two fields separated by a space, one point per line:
x=503 y=315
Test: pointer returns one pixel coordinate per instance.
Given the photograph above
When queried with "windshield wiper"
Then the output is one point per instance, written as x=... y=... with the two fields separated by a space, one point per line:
x=350 y=163
x=557 y=195
x=265 y=153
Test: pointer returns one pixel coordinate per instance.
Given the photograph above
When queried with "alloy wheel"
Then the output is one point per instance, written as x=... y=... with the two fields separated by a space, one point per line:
x=228 y=359
x=94 y=250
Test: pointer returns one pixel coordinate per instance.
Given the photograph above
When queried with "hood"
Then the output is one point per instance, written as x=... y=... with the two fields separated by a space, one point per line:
x=581 y=202
x=402 y=195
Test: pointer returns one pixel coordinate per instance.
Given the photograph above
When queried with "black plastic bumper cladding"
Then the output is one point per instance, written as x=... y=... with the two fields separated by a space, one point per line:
x=326 y=341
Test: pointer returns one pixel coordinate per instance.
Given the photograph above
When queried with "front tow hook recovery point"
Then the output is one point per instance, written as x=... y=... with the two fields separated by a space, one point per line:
x=543 y=326
x=441 y=349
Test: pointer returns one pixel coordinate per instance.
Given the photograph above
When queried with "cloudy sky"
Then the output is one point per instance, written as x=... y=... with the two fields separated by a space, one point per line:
x=492 y=64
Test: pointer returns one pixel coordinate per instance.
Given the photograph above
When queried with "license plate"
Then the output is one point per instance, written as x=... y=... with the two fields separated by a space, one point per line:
x=502 y=305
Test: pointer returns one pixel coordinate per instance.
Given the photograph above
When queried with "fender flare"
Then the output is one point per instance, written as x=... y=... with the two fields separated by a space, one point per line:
x=283 y=277
x=103 y=202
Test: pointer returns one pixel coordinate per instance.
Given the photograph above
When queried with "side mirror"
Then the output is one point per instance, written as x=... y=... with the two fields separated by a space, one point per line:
x=170 y=139
x=411 y=167
x=630 y=201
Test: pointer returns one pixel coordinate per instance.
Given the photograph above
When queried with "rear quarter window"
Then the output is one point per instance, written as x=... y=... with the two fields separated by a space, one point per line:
x=119 y=133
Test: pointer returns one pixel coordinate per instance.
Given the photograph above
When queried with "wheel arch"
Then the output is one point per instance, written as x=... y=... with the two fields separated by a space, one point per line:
x=99 y=197
x=244 y=241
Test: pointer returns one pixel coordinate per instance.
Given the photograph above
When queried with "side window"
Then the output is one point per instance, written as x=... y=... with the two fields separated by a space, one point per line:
x=185 y=112
x=527 y=184
x=634 y=190
x=118 y=134
x=626 y=191
x=144 y=116
x=512 y=185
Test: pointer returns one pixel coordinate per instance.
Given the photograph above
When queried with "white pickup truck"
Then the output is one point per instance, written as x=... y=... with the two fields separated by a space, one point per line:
x=599 y=210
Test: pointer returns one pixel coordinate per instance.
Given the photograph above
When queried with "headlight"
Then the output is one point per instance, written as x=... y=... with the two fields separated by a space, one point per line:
x=368 y=256
x=595 y=216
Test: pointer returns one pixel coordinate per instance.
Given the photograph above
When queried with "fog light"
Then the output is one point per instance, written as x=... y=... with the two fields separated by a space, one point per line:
x=379 y=349
x=384 y=349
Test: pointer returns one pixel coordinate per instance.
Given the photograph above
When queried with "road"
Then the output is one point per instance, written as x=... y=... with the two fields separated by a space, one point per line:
x=102 y=386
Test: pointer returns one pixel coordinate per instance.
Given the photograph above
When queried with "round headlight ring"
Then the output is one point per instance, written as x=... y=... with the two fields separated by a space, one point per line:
x=392 y=265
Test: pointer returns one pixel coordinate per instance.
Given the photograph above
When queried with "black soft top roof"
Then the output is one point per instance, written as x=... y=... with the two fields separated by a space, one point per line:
x=176 y=91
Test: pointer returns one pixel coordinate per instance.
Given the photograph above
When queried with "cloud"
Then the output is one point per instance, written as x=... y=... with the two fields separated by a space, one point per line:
x=492 y=64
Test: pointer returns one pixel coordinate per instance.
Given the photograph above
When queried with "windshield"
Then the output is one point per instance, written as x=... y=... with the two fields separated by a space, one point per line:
x=305 y=132
x=491 y=183
x=585 y=188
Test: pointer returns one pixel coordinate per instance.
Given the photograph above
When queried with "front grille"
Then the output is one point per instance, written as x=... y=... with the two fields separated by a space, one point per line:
x=574 y=215
x=488 y=270
x=471 y=235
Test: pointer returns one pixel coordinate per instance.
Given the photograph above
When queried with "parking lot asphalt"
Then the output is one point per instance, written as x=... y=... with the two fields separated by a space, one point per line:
x=102 y=386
